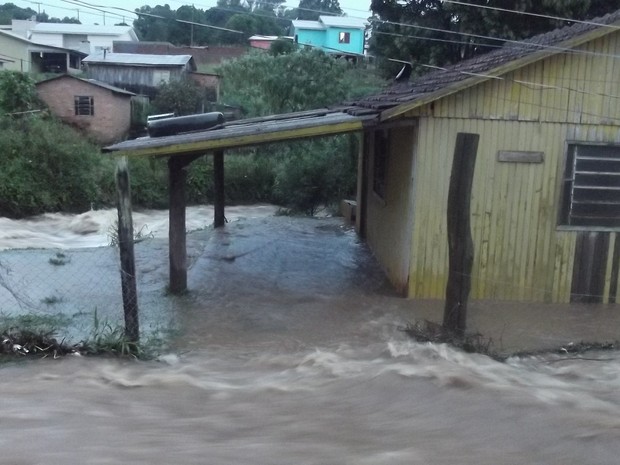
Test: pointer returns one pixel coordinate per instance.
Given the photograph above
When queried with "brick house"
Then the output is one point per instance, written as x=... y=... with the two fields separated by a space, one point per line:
x=100 y=110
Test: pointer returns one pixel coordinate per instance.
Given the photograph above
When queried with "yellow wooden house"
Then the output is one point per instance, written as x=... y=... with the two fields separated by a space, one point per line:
x=545 y=207
x=546 y=195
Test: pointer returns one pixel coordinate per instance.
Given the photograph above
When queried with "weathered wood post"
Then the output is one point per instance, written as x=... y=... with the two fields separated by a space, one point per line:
x=460 y=243
x=176 y=227
x=218 y=187
x=125 y=244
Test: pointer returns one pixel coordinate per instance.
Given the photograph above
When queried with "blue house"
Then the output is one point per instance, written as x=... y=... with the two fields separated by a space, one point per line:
x=339 y=35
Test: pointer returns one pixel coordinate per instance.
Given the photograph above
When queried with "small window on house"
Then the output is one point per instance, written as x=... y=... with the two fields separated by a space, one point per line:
x=344 y=37
x=382 y=147
x=84 y=105
x=591 y=186
x=160 y=76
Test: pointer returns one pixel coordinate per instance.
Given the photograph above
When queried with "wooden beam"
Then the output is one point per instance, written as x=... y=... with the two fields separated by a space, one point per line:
x=219 y=199
x=176 y=232
x=220 y=139
x=460 y=243
x=125 y=245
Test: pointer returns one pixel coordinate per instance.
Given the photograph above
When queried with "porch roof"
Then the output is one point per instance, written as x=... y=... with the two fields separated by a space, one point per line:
x=247 y=132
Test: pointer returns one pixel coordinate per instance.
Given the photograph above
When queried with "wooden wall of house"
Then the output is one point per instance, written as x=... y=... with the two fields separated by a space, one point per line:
x=137 y=79
x=389 y=206
x=521 y=253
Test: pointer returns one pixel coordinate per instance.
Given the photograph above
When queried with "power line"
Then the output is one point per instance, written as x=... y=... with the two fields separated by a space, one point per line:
x=537 y=15
x=90 y=5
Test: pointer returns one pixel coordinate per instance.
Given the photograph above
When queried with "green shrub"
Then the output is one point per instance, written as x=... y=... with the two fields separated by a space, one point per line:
x=47 y=166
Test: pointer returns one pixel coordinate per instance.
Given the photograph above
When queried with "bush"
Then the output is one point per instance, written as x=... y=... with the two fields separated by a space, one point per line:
x=47 y=166
x=320 y=174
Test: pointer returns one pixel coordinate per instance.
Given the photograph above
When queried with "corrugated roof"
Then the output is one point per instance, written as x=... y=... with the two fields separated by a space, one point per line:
x=437 y=84
x=250 y=132
x=35 y=47
x=138 y=59
x=93 y=82
x=63 y=28
x=304 y=24
x=343 y=21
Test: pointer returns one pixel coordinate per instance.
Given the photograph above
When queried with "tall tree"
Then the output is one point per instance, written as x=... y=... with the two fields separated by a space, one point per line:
x=312 y=9
x=425 y=30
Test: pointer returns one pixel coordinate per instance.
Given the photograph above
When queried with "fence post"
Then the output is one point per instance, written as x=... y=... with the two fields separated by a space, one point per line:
x=218 y=187
x=460 y=243
x=176 y=229
x=125 y=244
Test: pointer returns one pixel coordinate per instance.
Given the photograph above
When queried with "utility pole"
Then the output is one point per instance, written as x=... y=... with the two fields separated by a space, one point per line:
x=191 y=37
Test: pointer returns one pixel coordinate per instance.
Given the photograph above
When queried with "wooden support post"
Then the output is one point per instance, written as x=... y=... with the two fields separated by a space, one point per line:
x=460 y=243
x=366 y=144
x=176 y=229
x=218 y=187
x=125 y=244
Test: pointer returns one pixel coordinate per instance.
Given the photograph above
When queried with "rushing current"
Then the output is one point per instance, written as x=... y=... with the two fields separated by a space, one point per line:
x=289 y=350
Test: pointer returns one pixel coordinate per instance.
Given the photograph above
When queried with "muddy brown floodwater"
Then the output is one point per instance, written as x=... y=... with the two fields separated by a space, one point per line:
x=289 y=352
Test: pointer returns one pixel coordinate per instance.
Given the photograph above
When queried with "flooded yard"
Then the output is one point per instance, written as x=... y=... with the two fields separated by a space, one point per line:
x=289 y=349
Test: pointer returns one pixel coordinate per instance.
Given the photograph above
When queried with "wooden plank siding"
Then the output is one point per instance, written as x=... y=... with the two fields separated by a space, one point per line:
x=520 y=252
x=388 y=233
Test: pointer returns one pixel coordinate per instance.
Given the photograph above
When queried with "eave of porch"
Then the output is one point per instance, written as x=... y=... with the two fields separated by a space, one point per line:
x=248 y=132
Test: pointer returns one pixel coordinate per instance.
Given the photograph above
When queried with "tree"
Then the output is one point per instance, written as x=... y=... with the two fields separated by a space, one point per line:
x=282 y=46
x=438 y=45
x=182 y=97
x=264 y=84
x=312 y=9
x=17 y=92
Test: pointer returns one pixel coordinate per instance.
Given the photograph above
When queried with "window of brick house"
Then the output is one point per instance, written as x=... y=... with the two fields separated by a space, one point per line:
x=344 y=37
x=84 y=105
x=591 y=186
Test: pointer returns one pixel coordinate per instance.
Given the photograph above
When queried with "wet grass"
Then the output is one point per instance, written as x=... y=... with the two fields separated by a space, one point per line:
x=37 y=336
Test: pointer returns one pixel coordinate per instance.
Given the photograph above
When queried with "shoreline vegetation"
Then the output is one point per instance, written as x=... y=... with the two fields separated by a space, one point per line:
x=37 y=337
x=425 y=331
x=33 y=336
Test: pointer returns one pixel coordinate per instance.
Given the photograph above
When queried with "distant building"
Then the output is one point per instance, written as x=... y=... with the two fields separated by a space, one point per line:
x=141 y=74
x=339 y=35
x=263 y=42
x=204 y=56
x=20 y=54
x=80 y=37
x=102 y=111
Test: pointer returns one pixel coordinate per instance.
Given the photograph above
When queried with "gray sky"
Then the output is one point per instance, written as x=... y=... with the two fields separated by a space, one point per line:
x=60 y=9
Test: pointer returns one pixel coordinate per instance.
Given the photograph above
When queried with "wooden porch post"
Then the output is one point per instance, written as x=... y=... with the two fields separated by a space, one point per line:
x=218 y=186
x=125 y=245
x=366 y=143
x=460 y=243
x=176 y=232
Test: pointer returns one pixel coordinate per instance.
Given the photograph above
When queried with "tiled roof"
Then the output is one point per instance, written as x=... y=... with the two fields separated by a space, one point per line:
x=480 y=67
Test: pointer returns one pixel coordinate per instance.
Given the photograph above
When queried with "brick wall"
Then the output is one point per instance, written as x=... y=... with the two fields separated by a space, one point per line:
x=112 y=117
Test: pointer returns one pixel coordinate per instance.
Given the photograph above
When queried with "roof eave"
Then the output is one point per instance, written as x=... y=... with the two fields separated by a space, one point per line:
x=219 y=140
x=496 y=72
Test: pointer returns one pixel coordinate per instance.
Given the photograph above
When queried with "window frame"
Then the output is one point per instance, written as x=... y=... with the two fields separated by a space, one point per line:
x=81 y=108
x=344 y=37
x=566 y=218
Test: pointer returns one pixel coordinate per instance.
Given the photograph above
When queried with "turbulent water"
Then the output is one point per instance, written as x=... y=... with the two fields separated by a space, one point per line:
x=290 y=352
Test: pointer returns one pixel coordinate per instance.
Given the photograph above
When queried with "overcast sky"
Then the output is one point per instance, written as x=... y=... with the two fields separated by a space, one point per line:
x=60 y=9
